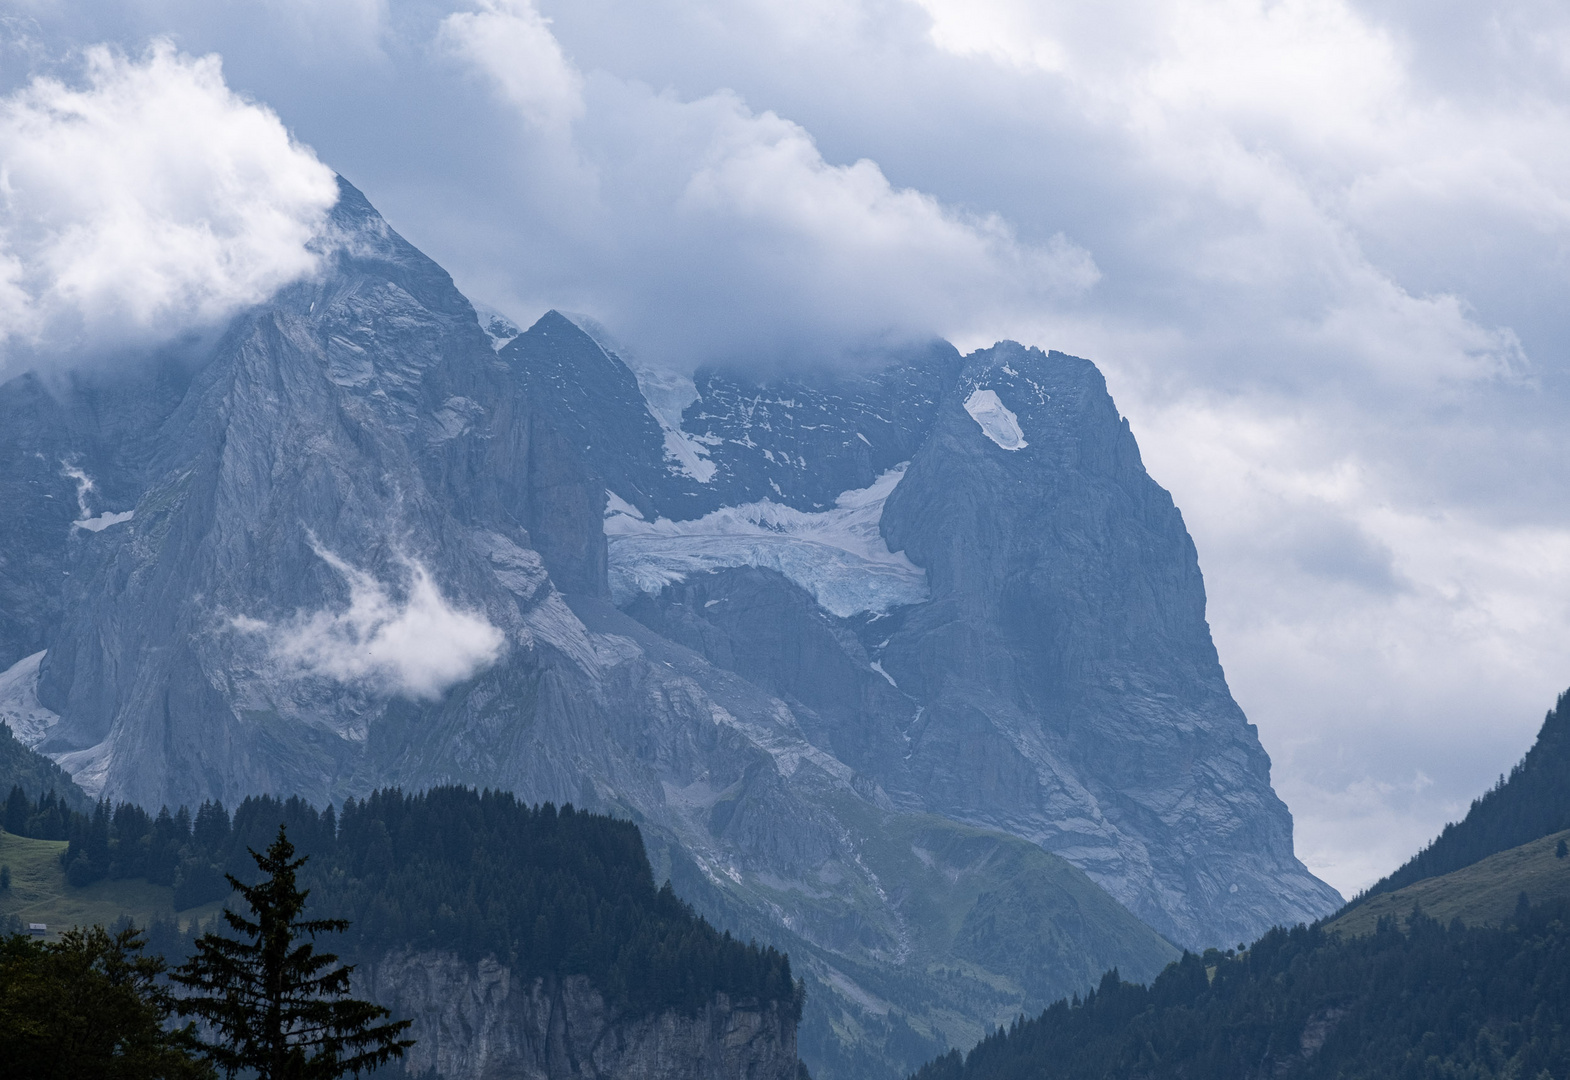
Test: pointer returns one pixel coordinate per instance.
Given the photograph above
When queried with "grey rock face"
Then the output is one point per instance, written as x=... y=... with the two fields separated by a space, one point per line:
x=1071 y=691
x=804 y=439
x=479 y=1022
x=798 y=440
x=368 y=548
x=1060 y=684
x=72 y=450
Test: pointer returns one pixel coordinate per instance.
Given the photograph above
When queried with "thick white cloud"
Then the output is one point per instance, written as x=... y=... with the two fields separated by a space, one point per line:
x=417 y=644
x=147 y=200
x=508 y=41
x=775 y=254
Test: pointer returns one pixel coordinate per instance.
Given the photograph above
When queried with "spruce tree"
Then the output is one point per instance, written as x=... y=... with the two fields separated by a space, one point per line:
x=275 y=1004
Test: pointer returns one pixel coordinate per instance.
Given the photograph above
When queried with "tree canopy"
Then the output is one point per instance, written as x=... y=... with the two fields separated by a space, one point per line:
x=548 y=891
x=274 y=1004
x=90 y=1004
x=1532 y=802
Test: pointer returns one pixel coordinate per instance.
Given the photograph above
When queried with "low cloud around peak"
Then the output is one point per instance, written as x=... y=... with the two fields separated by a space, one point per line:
x=141 y=202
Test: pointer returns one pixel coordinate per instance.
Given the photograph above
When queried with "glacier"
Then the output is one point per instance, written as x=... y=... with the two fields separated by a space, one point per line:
x=20 y=709
x=837 y=555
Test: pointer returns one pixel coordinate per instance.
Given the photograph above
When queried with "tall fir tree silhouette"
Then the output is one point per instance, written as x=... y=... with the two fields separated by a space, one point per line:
x=275 y=1004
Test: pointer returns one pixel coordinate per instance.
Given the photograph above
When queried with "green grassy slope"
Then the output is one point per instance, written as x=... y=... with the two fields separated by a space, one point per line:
x=1484 y=893
x=1006 y=912
x=39 y=892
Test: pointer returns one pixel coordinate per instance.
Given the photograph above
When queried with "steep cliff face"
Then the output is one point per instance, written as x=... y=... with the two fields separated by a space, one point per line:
x=75 y=449
x=478 y=1022
x=1071 y=691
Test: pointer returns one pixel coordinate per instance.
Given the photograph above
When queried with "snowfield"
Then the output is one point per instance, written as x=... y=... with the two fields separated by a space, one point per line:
x=837 y=555
x=997 y=421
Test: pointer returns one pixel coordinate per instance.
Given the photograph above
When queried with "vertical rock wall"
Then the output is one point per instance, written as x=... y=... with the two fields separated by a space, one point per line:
x=477 y=1021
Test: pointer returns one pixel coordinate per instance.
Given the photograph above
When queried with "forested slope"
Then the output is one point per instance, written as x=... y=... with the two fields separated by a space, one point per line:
x=35 y=774
x=546 y=891
x=1430 y=1003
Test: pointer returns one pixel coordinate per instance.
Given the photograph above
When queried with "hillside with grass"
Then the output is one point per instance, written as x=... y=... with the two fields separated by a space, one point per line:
x=1421 y=1002
x=38 y=892
x=1456 y=967
x=1487 y=893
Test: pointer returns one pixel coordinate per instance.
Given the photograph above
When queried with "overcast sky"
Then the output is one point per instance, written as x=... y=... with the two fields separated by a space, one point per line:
x=1318 y=247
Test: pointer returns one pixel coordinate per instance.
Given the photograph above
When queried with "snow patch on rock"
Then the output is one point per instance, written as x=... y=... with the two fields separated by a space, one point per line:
x=616 y=505
x=837 y=555
x=19 y=708
x=498 y=327
x=89 y=768
x=996 y=420
x=103 y=521
x=668 y=394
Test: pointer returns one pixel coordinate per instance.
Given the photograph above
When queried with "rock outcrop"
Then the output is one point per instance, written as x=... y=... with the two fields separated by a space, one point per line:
x=476 y=1021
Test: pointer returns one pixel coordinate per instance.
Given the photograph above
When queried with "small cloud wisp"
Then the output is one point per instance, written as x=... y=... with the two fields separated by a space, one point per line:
x=418 y=645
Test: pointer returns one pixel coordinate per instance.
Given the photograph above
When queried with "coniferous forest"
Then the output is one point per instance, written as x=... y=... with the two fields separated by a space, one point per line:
x=547 y=891
x=1430 y=1003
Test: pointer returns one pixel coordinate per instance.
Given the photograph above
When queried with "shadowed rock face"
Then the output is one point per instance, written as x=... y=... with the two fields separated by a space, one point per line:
x=367 y=549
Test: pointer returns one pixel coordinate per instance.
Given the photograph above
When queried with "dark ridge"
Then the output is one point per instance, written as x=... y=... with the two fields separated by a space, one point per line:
x=1532 y=802
x=1431 y=1002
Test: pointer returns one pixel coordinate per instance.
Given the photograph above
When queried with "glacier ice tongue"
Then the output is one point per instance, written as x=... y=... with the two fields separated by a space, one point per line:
x=837 y=555
x=996 y=420
x=19 y=708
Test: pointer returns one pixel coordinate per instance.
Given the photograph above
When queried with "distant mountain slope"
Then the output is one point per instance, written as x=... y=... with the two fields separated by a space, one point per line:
x=1007 y=628
x=1454 y=966
x=1486 y=892
x=1070 y=689
x=1533 y=801
x=359 y=546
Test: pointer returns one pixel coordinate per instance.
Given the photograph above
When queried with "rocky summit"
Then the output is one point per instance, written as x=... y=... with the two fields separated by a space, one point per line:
x=901 y=667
